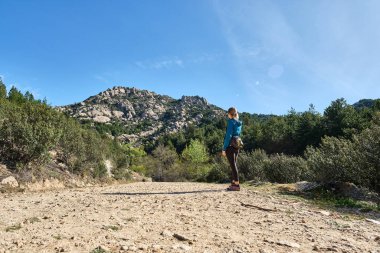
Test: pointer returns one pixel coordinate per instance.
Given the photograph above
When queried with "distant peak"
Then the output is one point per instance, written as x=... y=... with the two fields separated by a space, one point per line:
x=194 y=100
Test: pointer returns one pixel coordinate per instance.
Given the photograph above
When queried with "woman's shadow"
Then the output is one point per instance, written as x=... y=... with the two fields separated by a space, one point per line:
x=160 y=193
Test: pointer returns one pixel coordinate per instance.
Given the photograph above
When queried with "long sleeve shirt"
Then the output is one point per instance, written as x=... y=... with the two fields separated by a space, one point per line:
x=233 y=129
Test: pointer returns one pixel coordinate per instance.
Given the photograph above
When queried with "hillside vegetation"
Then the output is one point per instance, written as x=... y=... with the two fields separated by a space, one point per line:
x=33 y=134
x=342 y=144
x=180 y=140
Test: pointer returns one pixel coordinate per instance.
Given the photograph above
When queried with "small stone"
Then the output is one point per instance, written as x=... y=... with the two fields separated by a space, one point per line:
x=156 y=246
x=102 y=248
x=289 y=244
x=182 y=247
x=59 y=249
x=265 y=251
x=325 y=213
x=132 y=248
x=180 y=237
x=185 y=247
x=373 y=221
x=143 y=247
x=167 y=233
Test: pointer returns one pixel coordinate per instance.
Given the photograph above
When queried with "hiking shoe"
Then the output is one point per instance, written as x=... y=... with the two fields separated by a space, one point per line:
x=233 y=188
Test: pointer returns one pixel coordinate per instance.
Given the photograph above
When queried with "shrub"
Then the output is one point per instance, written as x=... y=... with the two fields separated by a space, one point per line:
x=285 y=169
x=195 y=152
x=165 y=159
x=195 y=158
x=220 y=170
x=332 y=161
x=27 y=132
x=29 y=129
x=100 y=171
x=251 y=165
x=367 y=158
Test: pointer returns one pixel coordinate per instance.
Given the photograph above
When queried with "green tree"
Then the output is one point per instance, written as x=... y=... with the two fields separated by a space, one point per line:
x=29 y=96
x=15 y=96
x=309 y=131
x=342 y=119
x=195 y=158
x=3 y=90
x=28 y=131
x=195 y=152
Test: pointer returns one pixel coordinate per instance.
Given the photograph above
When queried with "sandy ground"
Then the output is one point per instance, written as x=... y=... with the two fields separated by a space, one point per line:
x=175 y=217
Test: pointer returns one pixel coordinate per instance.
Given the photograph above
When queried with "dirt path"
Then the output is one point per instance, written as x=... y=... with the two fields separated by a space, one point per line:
x=174 y=217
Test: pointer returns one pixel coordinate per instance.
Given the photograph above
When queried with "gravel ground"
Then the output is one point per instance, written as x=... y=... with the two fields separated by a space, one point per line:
x=175 y=217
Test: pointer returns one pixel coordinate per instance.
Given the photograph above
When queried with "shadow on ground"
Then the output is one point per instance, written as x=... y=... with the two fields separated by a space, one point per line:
x=159 y=193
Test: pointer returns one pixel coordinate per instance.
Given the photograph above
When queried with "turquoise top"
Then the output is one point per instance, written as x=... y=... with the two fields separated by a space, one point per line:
x=233 y=129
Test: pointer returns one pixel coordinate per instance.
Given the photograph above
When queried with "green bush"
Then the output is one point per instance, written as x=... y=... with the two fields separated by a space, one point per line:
x=100 y=170
x=195 y=152
x=71 y=146
x=334 y=160
x=195 y=161
x=367 y=158
x=251 y=165
x=27 y=132
x=30 y=128
x=220 y=170
x=285 y=169
x=356 y=161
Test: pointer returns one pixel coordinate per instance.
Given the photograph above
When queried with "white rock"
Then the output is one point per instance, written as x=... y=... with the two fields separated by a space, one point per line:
x=102 y=119
x=373 y=221
x=118 y=114
x=167 y=233
x=325 y=213
x=9 y=181
x=182 y=247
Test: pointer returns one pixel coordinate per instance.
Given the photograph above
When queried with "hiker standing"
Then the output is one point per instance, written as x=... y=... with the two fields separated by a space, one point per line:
x=232 y=144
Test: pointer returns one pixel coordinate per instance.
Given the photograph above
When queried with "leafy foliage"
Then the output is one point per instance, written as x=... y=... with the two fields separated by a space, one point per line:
x=252 y=165
x=30 y=129
x=285 y=169
x=356 y=161
x=342 y=144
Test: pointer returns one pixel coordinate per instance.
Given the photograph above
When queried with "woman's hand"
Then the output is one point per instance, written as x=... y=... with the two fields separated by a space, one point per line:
x=223 y=153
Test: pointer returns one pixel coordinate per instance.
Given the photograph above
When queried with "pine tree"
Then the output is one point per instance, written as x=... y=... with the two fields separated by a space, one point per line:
x=3 y=90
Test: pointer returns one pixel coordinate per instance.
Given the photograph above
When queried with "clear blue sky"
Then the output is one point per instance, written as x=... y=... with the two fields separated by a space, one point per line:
x=260 y=56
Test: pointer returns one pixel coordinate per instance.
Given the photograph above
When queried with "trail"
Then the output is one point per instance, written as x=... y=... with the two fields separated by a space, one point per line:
x=175 y=217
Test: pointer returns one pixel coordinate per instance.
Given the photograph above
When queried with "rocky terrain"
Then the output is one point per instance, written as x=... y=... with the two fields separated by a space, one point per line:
x=176 y=217
x=142 y=113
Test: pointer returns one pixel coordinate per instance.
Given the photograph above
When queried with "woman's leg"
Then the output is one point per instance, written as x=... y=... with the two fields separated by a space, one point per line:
x=232 y=154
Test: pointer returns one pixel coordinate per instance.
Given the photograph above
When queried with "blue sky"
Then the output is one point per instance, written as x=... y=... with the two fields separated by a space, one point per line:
x=260 y=56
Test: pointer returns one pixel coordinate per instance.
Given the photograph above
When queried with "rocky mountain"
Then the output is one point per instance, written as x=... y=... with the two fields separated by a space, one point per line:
x=142 y=114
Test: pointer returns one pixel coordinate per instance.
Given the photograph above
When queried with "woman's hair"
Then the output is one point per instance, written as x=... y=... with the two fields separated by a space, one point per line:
x=233 y=112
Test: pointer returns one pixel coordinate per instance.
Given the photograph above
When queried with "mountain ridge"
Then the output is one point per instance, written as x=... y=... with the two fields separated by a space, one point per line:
x=143 y=113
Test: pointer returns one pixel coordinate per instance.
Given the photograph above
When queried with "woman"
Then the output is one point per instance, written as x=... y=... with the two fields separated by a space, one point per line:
x=233 y=129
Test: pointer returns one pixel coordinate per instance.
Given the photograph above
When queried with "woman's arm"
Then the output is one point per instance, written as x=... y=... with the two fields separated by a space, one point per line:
x=228 y=136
